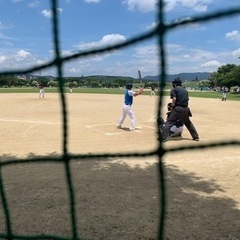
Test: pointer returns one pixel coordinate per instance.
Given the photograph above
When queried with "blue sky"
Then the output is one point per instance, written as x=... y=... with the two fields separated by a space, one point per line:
x=26 y=36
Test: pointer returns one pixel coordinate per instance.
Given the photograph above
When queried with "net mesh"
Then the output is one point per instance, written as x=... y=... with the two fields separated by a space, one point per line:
x=159 y=32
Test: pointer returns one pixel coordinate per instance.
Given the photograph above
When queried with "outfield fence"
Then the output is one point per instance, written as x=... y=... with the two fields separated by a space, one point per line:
x=159 y=33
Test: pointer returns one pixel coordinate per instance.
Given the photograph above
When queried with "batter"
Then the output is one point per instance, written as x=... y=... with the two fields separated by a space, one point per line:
x=127 y=107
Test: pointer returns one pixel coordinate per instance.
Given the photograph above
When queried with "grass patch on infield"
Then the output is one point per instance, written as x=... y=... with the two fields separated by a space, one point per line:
x=200 y=94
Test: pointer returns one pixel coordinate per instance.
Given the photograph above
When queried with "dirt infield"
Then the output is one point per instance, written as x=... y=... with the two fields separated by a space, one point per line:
x=119 y=198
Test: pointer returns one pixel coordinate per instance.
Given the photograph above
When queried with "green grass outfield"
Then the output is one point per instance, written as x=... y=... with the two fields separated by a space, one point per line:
x=203 y=94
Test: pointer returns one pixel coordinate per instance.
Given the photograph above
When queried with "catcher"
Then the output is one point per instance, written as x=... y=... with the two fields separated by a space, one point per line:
x=177 y=129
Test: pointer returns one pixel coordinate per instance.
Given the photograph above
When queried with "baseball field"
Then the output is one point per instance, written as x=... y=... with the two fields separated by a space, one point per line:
x=118 y=198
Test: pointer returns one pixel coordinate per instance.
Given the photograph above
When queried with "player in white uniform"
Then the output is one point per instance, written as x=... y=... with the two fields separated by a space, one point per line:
x=127 y=106
x=41 y=91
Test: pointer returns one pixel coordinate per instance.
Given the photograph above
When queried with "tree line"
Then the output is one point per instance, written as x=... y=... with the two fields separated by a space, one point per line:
x=227 y=75
x=88 y=81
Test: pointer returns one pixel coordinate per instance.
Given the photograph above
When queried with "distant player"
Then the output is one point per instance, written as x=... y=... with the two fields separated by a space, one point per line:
x=224 y=93
x=152 y=93
x=41 y=91
x=127 y=106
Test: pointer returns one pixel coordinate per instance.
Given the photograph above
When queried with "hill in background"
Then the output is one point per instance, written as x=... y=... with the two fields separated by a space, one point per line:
x=183 y=76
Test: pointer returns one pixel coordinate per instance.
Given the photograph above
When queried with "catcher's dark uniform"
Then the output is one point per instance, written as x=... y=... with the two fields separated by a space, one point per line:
x=180 y=111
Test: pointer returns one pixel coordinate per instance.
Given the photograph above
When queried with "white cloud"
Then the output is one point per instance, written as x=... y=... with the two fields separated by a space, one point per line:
x=143 y=58
x=13 y=59
x=150 y=5
x=141 y=5
x=236 y=53
x=48 y=13
x=233 y=35
x=92 y=1
x=178 y=53
x=147 y=52
x=152 y=25
x=22 y=54
x=90 y=61
x=3 y=27
x=74 y=70
x=212 y=63
x=107 y=40
x=196 y=5
x=2 y=59
x=184 y=59
x=40 y=61
x=187 y=19
x=33 y=4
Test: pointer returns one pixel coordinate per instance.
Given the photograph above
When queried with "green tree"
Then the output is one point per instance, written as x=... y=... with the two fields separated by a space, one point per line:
x=52 y=83
x=34 y=83
x=20 y=82
x=75 y=84
x=7 y=80
x=204 y=84
x=227 y=75
x=234 y=76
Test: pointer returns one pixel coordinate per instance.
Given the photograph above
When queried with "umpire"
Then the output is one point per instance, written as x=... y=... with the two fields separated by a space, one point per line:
x=179 y=96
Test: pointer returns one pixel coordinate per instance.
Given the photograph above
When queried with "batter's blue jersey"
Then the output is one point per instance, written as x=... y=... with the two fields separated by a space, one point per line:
x=128 y=97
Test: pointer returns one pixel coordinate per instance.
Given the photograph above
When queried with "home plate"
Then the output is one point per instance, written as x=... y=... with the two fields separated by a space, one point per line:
x=112 y=134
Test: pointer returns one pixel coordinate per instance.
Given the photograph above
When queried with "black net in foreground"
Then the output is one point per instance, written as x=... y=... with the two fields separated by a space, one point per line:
x=65 y=160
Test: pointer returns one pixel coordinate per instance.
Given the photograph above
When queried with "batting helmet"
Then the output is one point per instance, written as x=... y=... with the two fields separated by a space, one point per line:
x=129 y=85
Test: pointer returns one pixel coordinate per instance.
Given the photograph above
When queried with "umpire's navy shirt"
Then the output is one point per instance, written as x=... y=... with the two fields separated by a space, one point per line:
x=181 y=95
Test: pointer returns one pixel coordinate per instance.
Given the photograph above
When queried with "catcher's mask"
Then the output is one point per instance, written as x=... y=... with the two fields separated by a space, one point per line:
x=169 y=106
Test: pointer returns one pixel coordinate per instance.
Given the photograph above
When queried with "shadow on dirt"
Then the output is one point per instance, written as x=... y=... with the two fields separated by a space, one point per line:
x=115 y=201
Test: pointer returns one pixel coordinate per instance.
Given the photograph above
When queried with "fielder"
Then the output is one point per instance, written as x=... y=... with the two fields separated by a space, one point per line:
x=41 y=91
x=224 y=93
x=127 y=107
x=152 y=93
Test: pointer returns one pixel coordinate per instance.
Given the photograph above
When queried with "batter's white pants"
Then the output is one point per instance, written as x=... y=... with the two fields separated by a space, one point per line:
x=127 y=110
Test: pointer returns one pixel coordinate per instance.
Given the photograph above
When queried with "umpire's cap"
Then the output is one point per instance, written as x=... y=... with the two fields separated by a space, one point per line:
x=177 y=81
x=129 y=85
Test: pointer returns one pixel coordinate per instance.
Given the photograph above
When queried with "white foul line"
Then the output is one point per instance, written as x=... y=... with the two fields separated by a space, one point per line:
x=27 y=121
x=34 y=122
